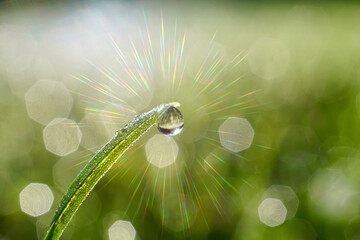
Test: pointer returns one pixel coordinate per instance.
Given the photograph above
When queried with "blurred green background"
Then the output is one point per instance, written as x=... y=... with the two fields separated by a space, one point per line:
x=297 y=85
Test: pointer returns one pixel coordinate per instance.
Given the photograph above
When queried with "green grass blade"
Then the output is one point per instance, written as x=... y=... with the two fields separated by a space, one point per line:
x=100 y=163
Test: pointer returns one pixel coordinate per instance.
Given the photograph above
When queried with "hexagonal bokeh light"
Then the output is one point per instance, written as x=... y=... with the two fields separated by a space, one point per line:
x=272 y=212
x=36 y=199
x=62 y=136
x=122 y=230
x=287 y=195
x=333 y=195
x=161 y=151
x=47 y=100
x=236 y=134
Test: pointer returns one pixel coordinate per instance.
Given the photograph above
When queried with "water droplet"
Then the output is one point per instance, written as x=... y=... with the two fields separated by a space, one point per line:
x=171 y=122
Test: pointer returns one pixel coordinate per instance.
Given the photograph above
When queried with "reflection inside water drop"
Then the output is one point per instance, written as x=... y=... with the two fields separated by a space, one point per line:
x=171 y=122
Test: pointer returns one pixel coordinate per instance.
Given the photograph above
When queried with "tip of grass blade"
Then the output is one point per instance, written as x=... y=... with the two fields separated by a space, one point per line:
x=100 y=163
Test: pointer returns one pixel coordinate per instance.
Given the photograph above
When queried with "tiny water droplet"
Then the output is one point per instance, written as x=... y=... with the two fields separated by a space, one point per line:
x=171 y=122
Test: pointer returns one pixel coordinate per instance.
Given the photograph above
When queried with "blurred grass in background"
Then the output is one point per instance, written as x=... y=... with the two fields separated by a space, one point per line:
x=303 y=62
